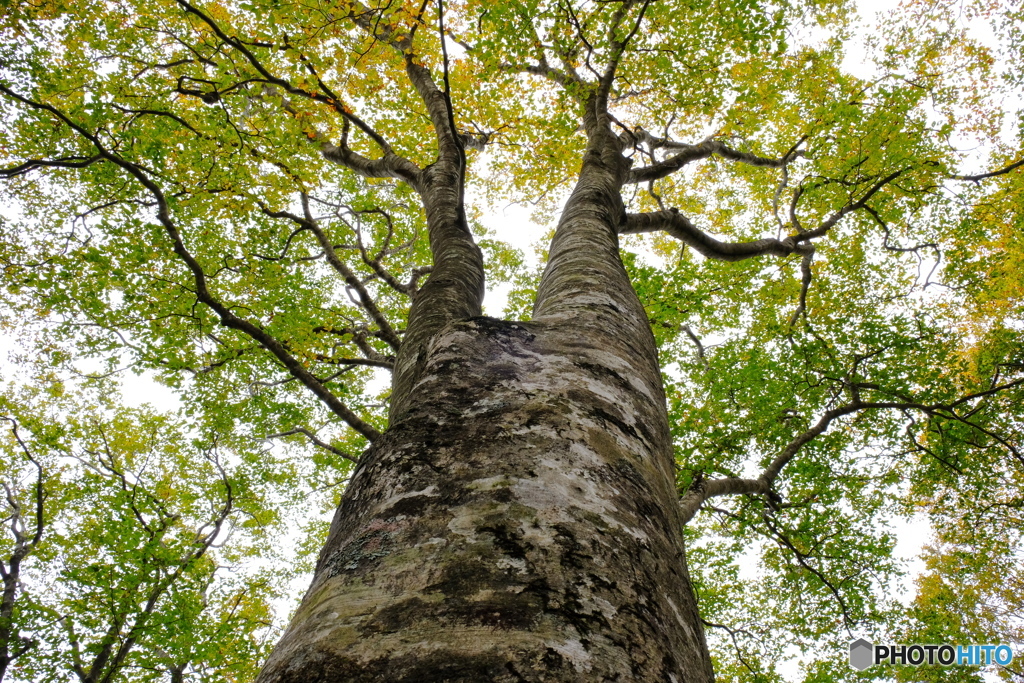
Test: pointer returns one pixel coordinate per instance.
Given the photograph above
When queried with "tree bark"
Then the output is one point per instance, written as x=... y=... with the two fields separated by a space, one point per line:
x=518 y=521
x=521 y=524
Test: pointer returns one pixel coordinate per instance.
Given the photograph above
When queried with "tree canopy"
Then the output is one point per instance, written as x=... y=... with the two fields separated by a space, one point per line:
x=228 y=197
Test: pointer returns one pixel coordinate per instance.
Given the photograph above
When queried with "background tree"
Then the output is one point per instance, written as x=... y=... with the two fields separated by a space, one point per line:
x=129 y=548
x=269 y=204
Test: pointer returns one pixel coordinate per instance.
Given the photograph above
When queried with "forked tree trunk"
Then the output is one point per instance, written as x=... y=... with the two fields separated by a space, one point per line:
x=518 y=521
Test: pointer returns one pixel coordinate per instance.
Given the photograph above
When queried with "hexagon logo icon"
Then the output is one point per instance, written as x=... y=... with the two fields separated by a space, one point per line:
x=861 y=652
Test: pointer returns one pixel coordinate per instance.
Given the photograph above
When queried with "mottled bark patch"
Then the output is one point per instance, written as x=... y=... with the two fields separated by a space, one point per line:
x=517 y=523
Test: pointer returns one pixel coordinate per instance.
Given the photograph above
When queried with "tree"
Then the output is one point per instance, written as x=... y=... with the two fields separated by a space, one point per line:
x=267 y=203
x=117 y=562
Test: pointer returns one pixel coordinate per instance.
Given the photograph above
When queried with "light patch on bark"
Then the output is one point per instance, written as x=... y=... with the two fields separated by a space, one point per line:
x=574 y=651
x=390 y=502
x=474 y=545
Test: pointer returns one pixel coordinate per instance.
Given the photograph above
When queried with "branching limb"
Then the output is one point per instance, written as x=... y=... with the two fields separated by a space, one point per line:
x=679 y=226
x=982 y=176
x=772 y=531
x=201 y=288
x=573 y=21
x=566 y=77
x=733 y=632
x=604 y=85
x=390 y=165
x=689 y=153
x=359 y=338
x=25 y=541
x=374 y=261
x=805 y=284
x=365 y=362
x=477 y=141
x=688 y=331
x=365 y=301
x=803 y=560
x=850 y=207
x=315 y=440
x=60 y=162
x=915 y=250
x=39 y=495
x=124 y=630
x=702 y=490
x=595 y=95
x=437 y=104
x=547 y=71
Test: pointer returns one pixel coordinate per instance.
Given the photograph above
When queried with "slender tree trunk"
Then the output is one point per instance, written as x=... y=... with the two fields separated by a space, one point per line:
x=518 y=521
x=8 y=634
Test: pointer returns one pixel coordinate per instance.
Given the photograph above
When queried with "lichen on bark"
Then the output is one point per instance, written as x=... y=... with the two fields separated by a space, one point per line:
x=518 y=523
x=518 y=520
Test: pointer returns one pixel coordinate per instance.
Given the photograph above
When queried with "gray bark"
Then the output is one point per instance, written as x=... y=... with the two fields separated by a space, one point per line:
x=518 y=520
x=519 y=523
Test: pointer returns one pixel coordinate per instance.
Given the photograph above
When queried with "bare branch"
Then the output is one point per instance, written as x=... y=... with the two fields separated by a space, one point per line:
x=547 y=71
x=735 y=642
x=314 y=440
x=802 y=559
x=366 y=301
x=438 y=106
x=604 y=86
x=391 y=165
x=805 y=285
x=10 y=570
x=696 y=342
x=679 y=226
x=60 y=162
x=689 y=153
x=991 y=174
x=850 y=207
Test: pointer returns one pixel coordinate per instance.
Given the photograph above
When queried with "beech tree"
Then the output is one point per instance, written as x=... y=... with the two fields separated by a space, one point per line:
x=778 y=311
x=123 y=548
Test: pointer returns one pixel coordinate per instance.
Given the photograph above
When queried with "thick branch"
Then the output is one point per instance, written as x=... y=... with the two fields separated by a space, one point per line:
x=991 y=174
x=388 y=166
x=449 y=145
x=604 y=86
x=703 y=150
x=547 y=71
x=61 y=162
x=679 y=226
x=806 y=276
x=695 y=497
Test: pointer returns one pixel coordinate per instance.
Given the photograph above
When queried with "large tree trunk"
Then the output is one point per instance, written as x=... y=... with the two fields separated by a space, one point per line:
x=519 y=524
x=518 y=521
